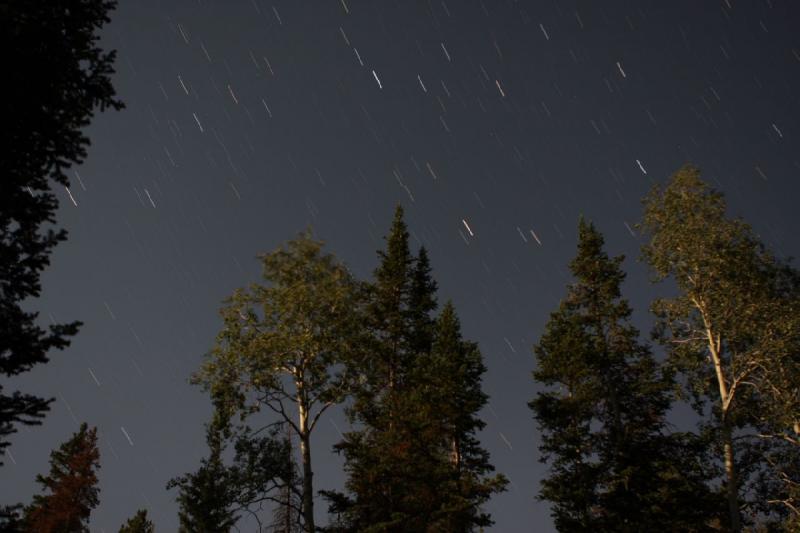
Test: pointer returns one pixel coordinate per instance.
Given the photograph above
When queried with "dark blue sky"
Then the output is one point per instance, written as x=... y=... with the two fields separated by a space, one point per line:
x=496 y=123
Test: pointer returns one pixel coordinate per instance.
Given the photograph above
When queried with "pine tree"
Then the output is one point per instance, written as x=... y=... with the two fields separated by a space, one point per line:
x=400 y=472
x=450 y=389
x=389 y=313
x=139 y=523
x=602 y=413
x=71 y=487
x=61 y=76
x=733 y=330
x=382 y=462
x=421 y=304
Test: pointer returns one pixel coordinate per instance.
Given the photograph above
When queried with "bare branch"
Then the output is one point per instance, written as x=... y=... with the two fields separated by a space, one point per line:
x=779 y=436
x=319 y=413
x=279 y=409
x=788 y=504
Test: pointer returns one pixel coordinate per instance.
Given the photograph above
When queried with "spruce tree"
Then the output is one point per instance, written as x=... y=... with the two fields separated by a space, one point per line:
x=389 y=314
x=379 y=460
x=602 y=413
x=139 y=523
x=413 y=405
x=71 y=490
x=451 y=397
x=382 y=462
x=421 y=304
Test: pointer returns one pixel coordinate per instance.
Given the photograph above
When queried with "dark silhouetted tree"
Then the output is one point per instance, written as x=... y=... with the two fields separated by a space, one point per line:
x=613 y=467
x=401 y=475
x=450 y=396
x=421 y=304
x=382 y=465
x=60 y=76
x=71 y=490
x=139 y=523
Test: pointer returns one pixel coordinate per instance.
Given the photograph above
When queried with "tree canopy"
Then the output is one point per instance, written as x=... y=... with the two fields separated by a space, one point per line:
x=285 y=345
x=733 y=330
x=602 y=414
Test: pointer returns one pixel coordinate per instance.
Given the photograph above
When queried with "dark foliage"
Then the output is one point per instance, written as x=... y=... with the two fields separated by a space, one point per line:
x=414 y=463
x=613 y=467
x=139 y=523
x=57 y=77
x=71 y=490
x=212 y=499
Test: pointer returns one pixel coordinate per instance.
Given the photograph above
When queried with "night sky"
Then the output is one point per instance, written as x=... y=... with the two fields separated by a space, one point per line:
x=495 y=123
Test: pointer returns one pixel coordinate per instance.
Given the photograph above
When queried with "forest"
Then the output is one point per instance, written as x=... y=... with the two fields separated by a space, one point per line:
x=312 y=337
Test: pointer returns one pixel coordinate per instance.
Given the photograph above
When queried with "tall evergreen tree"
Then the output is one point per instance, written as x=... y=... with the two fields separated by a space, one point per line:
x=602 y=413
x=451 y=397
x=400 y=472
x=382 y=462
x=389 y=314
x=285 y=345
x=139 y=523
x=71 y=487
x=60 y=77
x=733 y=330
x=421 y=304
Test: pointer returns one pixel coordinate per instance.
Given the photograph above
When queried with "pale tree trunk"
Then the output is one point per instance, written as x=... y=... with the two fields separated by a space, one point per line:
x=730 y=472
x=305 y=452
x=455 y=453
x=727 y=433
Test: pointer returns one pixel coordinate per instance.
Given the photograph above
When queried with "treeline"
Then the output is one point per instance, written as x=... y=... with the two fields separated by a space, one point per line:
x=731 y=337
x=311 y=336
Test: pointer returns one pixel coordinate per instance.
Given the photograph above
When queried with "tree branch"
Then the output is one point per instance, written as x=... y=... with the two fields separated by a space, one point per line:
x=279 y=409
x=319 y=413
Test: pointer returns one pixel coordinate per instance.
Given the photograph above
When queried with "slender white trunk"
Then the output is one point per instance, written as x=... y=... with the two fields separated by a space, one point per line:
x=727 y=433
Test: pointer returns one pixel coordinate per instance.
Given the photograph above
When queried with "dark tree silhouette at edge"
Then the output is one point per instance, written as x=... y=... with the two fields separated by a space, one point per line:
x=58 y=76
